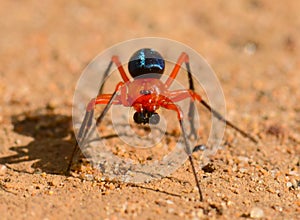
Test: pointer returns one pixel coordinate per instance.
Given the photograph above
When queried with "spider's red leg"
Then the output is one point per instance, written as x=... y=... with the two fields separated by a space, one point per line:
x=179 y=95
x=114 y=59
x=101 y=116
x=104 y=99
x=87 y=121
x=84 y=131
x=171 y=106
x=184 y=58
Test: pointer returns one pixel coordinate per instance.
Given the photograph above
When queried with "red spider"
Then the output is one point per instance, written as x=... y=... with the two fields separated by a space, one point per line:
x=146 y=93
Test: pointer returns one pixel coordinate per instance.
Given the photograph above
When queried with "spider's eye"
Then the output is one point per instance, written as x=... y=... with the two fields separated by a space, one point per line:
x=154 y=119
x=139 y=118
x=145 y=92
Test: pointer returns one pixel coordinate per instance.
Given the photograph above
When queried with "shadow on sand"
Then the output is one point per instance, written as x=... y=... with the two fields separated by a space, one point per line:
x=52 y=143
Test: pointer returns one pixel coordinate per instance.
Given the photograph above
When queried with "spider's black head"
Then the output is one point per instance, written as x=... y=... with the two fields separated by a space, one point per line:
x=146 y=61
x=146 y=118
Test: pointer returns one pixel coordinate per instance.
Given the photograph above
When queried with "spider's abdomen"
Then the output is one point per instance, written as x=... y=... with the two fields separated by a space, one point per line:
x=146 y=61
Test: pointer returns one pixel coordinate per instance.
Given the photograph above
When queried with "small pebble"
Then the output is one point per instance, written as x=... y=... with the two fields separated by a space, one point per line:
x=112 y=186
x=170 y=202
x=18 y=142
x=294 y=183
x=278 y=208
x=170 y=210
x=181 y=214
x=250 y=48
x=289 y=184
x=293 y=173
x=3 y=169
x=200 y=213
x=163 y=203
x=52 y=105
x=89 y=177
x=256 y=213
x=230 y=203
x=243 y=159
x=54 y=182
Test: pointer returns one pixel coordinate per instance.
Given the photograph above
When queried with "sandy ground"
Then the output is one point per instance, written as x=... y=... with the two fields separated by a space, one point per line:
x=253 y=46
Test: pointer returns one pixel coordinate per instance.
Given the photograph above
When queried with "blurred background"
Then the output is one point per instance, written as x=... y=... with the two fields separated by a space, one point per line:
x=252 y=45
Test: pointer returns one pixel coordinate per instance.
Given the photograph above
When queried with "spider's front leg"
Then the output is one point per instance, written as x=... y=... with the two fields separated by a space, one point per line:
x=184 y=58
x=168 y=104
x=85 y=130
x=179 y=95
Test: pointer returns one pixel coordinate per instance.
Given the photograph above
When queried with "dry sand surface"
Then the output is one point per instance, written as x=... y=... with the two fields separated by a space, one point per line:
x=253 y=47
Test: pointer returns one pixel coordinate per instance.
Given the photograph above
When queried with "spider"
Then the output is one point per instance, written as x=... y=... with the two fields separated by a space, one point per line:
x=146 y=93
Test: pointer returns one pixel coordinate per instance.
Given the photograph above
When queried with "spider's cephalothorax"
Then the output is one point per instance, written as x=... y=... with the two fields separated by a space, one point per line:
x=146 y=118
x=146 y=61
